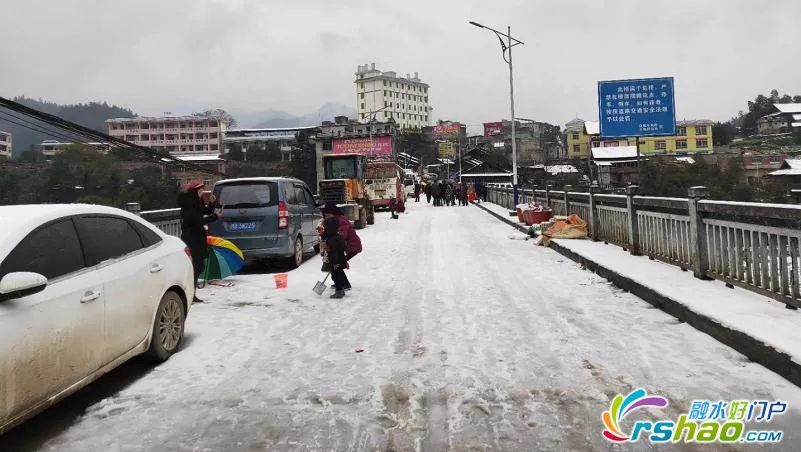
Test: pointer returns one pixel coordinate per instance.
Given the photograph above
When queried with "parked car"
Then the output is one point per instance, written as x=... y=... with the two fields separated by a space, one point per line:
x=82 y=289
x=268 y=217
x=408 y=186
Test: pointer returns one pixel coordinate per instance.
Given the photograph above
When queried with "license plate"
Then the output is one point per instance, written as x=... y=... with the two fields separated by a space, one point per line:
x=242 y=227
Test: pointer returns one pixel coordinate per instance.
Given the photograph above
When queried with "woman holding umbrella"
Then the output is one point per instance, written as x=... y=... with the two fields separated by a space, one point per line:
x=193 y=221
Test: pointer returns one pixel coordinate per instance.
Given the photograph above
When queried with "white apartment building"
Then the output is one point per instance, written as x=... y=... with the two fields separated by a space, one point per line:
x=381 y=96
x=49 y=148
x=5 y=144
x=173 y=134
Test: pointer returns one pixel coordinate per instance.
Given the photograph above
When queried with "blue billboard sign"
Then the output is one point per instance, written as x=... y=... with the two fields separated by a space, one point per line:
x=636 y=108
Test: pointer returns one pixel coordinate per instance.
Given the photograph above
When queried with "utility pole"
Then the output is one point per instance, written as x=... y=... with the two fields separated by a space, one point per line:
x=504 y=47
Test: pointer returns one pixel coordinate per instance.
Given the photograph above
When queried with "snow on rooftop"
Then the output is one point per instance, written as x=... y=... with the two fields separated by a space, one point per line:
x=614 y=152
x=593 y=127
x=788 y=108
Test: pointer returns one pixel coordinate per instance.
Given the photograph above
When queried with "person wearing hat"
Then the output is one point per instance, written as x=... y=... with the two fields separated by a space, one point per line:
x=194 y=218
x=353 y=244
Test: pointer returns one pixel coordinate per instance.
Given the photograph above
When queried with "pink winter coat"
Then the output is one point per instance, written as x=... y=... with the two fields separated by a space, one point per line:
x=346 y=230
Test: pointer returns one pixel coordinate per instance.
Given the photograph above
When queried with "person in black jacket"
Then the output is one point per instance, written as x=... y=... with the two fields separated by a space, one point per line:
x=335 y=246
x=194 y=217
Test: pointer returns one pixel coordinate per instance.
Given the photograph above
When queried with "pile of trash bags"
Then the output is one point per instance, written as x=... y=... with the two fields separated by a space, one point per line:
x=573 y=227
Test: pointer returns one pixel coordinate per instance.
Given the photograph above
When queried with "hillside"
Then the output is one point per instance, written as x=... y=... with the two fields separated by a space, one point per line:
x=92 y=115
x=275 y=118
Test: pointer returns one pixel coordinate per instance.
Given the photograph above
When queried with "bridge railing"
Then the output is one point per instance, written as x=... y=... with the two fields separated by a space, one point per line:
x=168 y=220
x=752 y=245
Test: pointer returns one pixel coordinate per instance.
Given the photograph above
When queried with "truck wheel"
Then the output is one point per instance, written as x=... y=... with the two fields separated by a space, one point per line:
x=362 y=221
x=371 y=216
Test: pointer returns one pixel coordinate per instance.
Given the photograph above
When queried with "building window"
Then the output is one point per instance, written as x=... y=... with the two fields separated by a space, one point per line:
x=385 y=93
x=385 y=83
x=701 y=144
x=361 y=95
x=397 y=105
x=681 y=131
x=681 y=144
x=596 y=144
x=575 y=136
x=361 y=85
x=660 y=145
x=700 y=130
x=362 y=105
x=576 y=148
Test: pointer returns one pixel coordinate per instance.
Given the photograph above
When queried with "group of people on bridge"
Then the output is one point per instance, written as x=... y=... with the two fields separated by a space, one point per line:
x=447 y=192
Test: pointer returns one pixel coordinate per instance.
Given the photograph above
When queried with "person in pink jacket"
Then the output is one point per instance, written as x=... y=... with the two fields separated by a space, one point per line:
x=347 y=231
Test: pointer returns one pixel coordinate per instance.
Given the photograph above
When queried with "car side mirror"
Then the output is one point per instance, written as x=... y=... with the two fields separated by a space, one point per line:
x=21 y=284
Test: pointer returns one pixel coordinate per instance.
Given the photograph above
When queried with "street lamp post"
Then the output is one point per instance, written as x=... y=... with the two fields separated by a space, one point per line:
x=507 y=46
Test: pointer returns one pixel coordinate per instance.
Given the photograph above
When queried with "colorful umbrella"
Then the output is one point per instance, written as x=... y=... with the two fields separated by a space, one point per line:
x=224 y=259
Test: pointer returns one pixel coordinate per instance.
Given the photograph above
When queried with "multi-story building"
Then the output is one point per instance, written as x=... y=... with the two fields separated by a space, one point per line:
x=692 y=137
x=576 y=138
x=173 y=134
x=284 y=138
x=785 y=118
x=5 y=144
x=381 y=96
x=757 y=165
x=49 y=148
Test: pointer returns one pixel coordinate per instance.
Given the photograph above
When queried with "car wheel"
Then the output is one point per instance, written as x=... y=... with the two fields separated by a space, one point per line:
x=297 y=257
x=168 y=328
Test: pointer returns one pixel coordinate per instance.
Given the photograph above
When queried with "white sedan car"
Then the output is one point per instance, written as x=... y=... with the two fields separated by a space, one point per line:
x=82 y=289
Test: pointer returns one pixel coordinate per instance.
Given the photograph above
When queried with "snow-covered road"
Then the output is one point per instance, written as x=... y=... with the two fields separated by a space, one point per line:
x=471 y=339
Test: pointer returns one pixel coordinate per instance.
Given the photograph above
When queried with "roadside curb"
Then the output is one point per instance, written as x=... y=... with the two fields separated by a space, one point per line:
x=755 y=349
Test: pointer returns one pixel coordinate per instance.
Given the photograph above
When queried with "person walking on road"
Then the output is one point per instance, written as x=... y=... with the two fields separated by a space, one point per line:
x=194 y=218
x=449 y=193
x=481 y=190
x=353 y=244
x=436 y=192
x=416 y=191
x=463 y=193
x=427 y=191
x=336 y=246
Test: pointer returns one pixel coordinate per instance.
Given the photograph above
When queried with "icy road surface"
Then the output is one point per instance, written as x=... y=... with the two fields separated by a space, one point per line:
x=458 y=335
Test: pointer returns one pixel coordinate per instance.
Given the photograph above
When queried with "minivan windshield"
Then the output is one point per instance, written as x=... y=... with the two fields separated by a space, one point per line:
x=247 y=195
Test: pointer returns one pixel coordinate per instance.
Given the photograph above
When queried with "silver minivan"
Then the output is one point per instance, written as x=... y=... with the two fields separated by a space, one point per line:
x=268 y=217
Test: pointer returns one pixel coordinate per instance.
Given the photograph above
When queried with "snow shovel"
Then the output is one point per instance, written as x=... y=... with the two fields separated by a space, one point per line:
x=320 y=286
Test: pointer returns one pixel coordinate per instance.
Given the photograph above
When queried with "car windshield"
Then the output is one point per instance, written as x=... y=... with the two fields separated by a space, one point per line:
x=340 y=168
x=247 y=195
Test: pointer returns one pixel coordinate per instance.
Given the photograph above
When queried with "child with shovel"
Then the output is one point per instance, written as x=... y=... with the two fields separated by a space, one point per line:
x=335 y=250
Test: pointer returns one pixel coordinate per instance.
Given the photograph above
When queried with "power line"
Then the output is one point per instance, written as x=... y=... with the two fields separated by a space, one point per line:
x=33 y=127
x=101 y=137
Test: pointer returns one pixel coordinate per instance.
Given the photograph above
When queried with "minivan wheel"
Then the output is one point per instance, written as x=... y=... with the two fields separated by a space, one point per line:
x=168 y=328
x=297 y=257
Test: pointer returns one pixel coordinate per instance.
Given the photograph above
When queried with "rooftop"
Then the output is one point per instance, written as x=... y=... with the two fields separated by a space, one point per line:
x=614 y=152
x=694 y=122
x=162 y=118
x=593 y=127
x=788 y=108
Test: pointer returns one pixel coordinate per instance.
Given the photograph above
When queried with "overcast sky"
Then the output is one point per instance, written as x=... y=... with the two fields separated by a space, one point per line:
x=252 y=55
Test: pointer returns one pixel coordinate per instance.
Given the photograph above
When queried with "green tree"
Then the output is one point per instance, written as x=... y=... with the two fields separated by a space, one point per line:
x=723 y=133
x=31 y=156
x=236 y=153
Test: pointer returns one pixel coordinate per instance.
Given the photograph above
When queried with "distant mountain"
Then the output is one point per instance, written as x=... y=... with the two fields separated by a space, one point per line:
x=276 y=118
x=92 y=115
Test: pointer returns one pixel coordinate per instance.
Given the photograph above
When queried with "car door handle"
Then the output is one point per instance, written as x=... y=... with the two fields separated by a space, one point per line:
x=90 y=296
x=156 y=268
